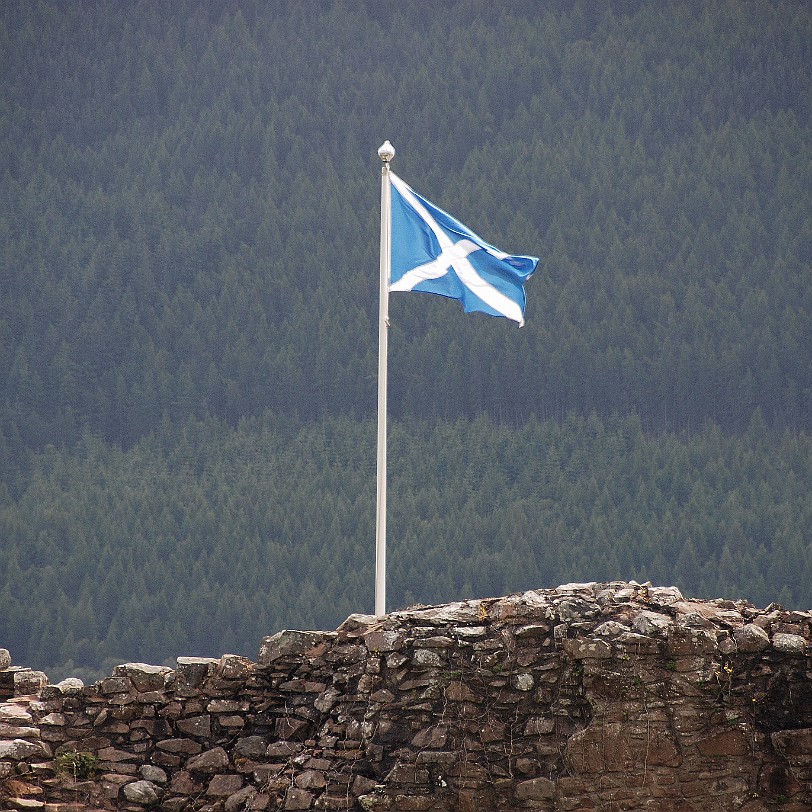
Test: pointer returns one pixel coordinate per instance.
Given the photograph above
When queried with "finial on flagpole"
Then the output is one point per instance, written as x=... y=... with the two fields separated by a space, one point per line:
x=386 y=152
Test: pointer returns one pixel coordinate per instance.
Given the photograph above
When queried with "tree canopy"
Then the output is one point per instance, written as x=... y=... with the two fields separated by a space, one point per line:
x=188 y=271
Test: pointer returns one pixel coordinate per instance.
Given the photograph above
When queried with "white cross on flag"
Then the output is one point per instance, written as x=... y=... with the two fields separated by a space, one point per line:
x=434 y=253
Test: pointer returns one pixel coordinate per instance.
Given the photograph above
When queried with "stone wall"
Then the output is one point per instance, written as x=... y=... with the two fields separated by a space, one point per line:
x=604 y=697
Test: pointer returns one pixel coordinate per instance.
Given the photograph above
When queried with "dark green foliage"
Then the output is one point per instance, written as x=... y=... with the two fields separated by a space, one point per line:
x=188 y=244
x=203 y=538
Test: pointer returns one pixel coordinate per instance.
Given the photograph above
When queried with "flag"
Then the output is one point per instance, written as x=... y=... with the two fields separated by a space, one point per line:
x=434 y=253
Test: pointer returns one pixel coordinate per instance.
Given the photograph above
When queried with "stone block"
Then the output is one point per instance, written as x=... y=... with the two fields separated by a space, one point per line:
x=794 y=745
x=535 y=789
x=20 y=749
x=72 y=686
x=751 y=638
x=651 y=623
x=459 y=692
x=252 y=747
x=539 y=726
x=198 y=726
x=287 y=643
x=789 y=643
x=183 y=783
x=27 y=682
x=580 y=648
x=188 y=746
x=241 y=800
x=727 y=743
x=14 y=714
x=143 y=676
x=434 y=737
x=619 y=747
x=234 y=666
x=192 y=671
x=522 y=681
x=384 y=640
x=224 y=785
x=297 y=799
x=211 y=761
x=113 y=685
x=143 y=793
x=310 y=779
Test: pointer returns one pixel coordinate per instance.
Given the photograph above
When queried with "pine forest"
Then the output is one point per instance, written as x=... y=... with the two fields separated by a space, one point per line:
x=189 y=248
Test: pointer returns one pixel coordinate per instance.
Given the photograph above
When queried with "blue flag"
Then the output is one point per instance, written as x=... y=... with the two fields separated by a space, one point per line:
x=434 y=253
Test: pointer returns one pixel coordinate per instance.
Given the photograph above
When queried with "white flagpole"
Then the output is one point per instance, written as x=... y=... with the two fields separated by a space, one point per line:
x=386 y=153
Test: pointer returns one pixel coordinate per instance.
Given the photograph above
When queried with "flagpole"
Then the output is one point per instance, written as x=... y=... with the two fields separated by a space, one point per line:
x=385 y=153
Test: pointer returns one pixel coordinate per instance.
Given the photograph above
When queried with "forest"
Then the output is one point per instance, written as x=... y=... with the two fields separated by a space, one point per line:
x=189 y=237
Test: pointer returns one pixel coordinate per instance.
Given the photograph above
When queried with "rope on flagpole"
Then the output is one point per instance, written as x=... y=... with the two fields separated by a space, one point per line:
x=386 y=152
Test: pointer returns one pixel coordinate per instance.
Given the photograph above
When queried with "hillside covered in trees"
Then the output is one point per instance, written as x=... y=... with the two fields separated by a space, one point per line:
x=188 y=311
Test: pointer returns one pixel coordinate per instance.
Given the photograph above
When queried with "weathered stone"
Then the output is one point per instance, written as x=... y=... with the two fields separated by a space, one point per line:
x=611 y=628
x=149 y=772
x=789 y=643
x=224 y=785
x=649 y=709
x=289 y=728
x=227 y=706
x=383 y=640
x=18 y=732
x=6 y=768
x=180 y=746
x=199 y=726
x=211 y=761
x=522 y=682
x=651 y=623
x=618 y=747
x=751 y=638
x=727 y=743
x=24 y=803
x=794 y=745
x=577 y=609
x=183 y=783
x=5 y=658
x=191 y=671
x=72 y=686
x=424 y=658
x=283 y=749
x=252 y=747
x=325 y=701
x=111 y=754
x=14 y=714
x=435 y=736
x=665 y=595
x=144 y=677
x=233 y=666
x=297 y=799
x=240 y=800
x=287 y=643
x=29 y=682
x=582 y=648
x=535 y=789
x=113 y=685
x=56 y=719
x=19 y=749
x=143 y=793
x=539 y=726
x=311 y=779
x=529 y=630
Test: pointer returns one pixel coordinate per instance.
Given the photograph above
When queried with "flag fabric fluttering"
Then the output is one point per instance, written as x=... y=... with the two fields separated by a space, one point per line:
x=432 y=252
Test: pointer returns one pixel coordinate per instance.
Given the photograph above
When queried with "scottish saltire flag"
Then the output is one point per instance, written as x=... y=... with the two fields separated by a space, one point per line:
x=434 y=253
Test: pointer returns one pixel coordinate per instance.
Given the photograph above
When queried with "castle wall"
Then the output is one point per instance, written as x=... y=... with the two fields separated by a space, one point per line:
x=605 y=697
